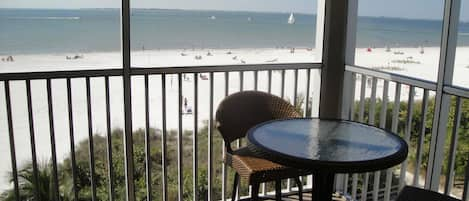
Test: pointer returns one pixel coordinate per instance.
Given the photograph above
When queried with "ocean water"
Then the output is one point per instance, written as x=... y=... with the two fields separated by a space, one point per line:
x=32 y=31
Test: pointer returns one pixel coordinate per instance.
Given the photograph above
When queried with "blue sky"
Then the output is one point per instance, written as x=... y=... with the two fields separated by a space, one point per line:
x=416 y=9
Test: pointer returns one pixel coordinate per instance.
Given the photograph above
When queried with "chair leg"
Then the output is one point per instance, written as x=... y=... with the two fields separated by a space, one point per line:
x=300 y=188
x=278 y=190
x=255 y=191
x=235 y=187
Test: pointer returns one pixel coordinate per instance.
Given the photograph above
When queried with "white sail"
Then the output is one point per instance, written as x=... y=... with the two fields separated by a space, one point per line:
x=291 y=19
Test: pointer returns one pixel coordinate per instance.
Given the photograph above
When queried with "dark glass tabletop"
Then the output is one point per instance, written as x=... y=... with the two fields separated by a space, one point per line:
x=332 y=145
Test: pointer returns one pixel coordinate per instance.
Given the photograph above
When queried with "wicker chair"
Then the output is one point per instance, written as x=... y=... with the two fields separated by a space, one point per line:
x=235 y=115
x=410 y=193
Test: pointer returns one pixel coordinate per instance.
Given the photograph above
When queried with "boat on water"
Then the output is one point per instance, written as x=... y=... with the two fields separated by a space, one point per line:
x=291 y=19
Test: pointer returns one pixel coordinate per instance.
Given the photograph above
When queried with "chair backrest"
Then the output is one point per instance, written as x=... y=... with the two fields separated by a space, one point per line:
x=410 y=193
x=240 y=111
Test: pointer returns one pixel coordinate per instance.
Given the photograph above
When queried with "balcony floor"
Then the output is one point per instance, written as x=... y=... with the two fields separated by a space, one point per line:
x=294 y=197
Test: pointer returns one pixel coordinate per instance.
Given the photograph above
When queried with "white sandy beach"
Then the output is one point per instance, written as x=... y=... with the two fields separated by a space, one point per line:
x=423 y=66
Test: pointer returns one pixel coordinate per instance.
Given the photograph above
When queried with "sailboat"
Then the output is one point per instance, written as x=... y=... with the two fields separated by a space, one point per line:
x=291 y=19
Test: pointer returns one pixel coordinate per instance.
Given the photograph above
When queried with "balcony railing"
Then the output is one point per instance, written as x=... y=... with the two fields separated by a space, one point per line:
x=405 y=106
x=67 y=118
x=57 y=115
x=60 y=109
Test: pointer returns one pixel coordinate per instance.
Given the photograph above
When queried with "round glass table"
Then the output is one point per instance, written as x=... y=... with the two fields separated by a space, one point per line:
x=326 y=147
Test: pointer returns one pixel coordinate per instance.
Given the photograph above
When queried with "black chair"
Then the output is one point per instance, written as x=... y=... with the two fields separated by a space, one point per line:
x=410 y=193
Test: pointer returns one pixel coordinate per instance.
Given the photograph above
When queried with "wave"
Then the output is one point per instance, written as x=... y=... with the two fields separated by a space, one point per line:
x=44 y=18
x=463 y=33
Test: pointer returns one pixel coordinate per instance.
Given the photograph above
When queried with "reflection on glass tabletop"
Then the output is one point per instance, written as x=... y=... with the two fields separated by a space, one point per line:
x=333 y=141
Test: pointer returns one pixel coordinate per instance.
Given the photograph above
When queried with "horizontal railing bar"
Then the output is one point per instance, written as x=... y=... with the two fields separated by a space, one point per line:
x=425 y=84
x=154 y=70
x=457 y=91
x=60 y=74
x=223 y=68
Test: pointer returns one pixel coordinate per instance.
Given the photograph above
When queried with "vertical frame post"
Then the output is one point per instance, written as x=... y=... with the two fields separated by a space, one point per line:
x=350 y=46
x=126 y=68
x=333 y=59
x=442 y=102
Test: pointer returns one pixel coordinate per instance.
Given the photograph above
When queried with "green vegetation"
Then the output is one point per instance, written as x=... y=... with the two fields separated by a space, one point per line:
x=462 y=151
x=83 y=183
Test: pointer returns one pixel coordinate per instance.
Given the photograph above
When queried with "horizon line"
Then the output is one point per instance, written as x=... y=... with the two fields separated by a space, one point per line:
x=219 y=10
x=182 y=9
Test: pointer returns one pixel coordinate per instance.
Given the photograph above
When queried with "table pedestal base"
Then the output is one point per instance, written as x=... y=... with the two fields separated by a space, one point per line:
x=323 y=185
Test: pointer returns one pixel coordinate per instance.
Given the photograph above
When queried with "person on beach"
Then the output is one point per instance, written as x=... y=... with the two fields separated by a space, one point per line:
x=189 y=110
x=10 y=59
x=185 y=104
